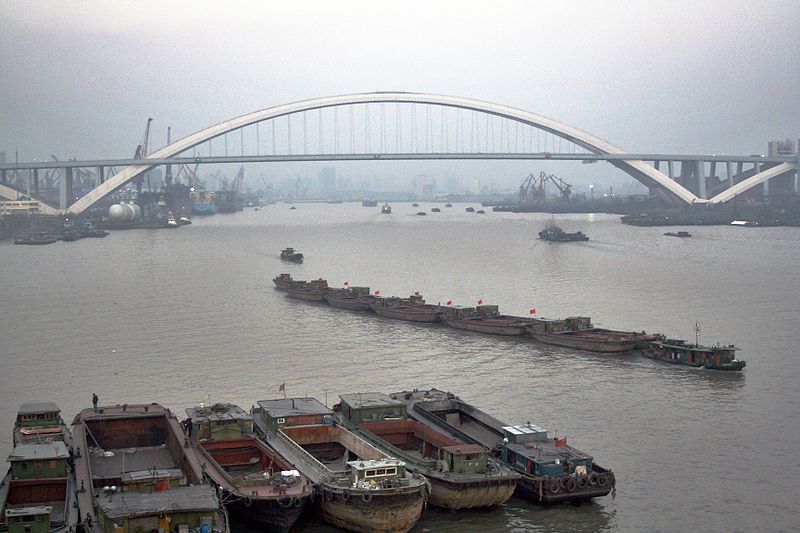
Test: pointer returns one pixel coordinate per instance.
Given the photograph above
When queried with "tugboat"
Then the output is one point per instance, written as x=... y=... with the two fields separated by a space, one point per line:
x=386 y=209
x=551 y=470
x=136 y=470
x=679 y=352
x=258 y=485
x=39 y=493
x=359 y=487
x=412 y=309
x=554 y=233
x=462 y=476
x=288 y=254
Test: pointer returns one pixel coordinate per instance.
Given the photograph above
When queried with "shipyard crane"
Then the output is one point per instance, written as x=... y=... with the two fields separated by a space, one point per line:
x=532 y=190
x=236 y=184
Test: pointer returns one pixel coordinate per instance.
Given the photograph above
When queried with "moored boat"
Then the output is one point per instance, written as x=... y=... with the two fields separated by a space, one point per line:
x=551 y=470
x=38 y=238
x=312 y=291
x=679 y=352
x=288 y=254
x=386 y=209
x=351 y=298
x=413 y=309
x=682 y=234
x=359 y=487
x=137 y=471
x=462 y=475
x=258 y=485
x=283 y=281
x=485 y=319
x=578 y=333
x=38 y=494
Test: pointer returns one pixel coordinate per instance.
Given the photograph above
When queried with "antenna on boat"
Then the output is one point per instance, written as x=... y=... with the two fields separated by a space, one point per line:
x=697 y=334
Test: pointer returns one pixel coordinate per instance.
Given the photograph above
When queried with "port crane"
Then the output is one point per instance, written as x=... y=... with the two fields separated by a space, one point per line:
x=532 y=190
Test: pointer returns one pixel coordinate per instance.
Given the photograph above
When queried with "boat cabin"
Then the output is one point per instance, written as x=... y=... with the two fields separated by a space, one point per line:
x=38 y=414
x=376 y=473
x=575 y=323
x=33 y=519
x=221 y=421
x=273 y=415
x=528 y=448
x=39 y=461
x=548 y=325
x=370 y=407
x=464 y=459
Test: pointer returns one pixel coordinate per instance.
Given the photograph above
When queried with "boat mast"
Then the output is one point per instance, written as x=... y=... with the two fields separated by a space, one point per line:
x=697 y=334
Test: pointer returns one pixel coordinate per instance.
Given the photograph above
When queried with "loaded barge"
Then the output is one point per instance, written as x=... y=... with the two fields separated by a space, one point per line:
x=551 y=471
x=136 y=471
x=258 y=485
x=360 y=488
x=462 y=476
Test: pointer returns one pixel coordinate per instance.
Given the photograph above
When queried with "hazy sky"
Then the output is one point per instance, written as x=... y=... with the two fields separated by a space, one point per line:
x=80 y=78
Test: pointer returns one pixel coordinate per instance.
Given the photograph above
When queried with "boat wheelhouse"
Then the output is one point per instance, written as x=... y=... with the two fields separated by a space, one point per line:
x=283 y=281
x=679 y=352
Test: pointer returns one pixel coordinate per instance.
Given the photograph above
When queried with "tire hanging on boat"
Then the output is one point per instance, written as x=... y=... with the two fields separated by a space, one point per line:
x=593 y=479
x=571 y=484
x=553 y=486
x=602 y=480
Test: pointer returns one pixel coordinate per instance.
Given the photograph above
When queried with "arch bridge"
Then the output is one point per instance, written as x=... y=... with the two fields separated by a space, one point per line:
x=464 y=129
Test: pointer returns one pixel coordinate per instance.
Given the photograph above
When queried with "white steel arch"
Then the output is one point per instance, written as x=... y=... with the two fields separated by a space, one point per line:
x=752 y=181
x=12 y=194
x=638 y=169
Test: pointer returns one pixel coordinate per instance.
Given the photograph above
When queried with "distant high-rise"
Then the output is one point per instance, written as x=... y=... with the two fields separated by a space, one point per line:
x=781 y=148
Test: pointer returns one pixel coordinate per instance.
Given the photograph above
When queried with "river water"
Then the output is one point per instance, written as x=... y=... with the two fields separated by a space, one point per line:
x=184 y=316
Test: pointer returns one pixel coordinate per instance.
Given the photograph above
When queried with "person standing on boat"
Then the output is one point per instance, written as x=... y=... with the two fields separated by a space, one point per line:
x=95 y=399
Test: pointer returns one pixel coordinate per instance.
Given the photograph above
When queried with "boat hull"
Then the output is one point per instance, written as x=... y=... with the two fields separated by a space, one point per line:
x=487 y=492
x=489 y=326
x=409 y=313
x=372 y=511
x=587 y=342
x=553 y=490
x=309 y=295
x=351 y=304
x=268 y=514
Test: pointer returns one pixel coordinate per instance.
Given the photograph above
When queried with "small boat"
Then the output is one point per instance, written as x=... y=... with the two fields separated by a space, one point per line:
x=554 y=233
x=288 y=254
x=311 y=291
x=678 y=234
x=747 y=223
x=291 y=208
x=412 y=309
x=359 y=487
x=135 y=467
x=551 y=470
x=39 y=492
x=462 y=476
x=482 y=212
x=421 y=213
x=350 y=298
x=386 y=209
x=258 y=485
x=680 y=352
x=436 y=210
x=485 y=319
x=38 y=238
x=415 y=204
x=283 y=281
x=185 y=221
x=448 y=205
x=369 y=203
x=72 y=235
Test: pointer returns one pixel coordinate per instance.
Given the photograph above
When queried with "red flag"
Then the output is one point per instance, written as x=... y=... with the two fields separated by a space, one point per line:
x=416 y=293
x=162 y=485
x=377 y=292
x=533 y=311
x=282 y=387
x=560 y=443
x=480 y=302
x=346 y=283
x=449 y=302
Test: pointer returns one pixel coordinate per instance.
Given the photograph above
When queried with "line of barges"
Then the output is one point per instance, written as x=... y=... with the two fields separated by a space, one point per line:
x=575 y=332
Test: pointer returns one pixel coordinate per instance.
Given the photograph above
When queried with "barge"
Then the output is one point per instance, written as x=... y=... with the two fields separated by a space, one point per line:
x=350 y=298
x=136 y=471
x=462 y=476
x=258 y=485
x=485 y=319
x=310 y=291
x=577 y=332
x=412 y=309
x=551 y=471
x=39 y=493
x=283 y=281
x=360 y=488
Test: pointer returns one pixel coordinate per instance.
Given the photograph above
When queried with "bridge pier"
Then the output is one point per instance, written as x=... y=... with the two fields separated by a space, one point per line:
x=3 y=179
x=671 y=169
x=101 y=174
x=36 y=182
x=700 y=174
